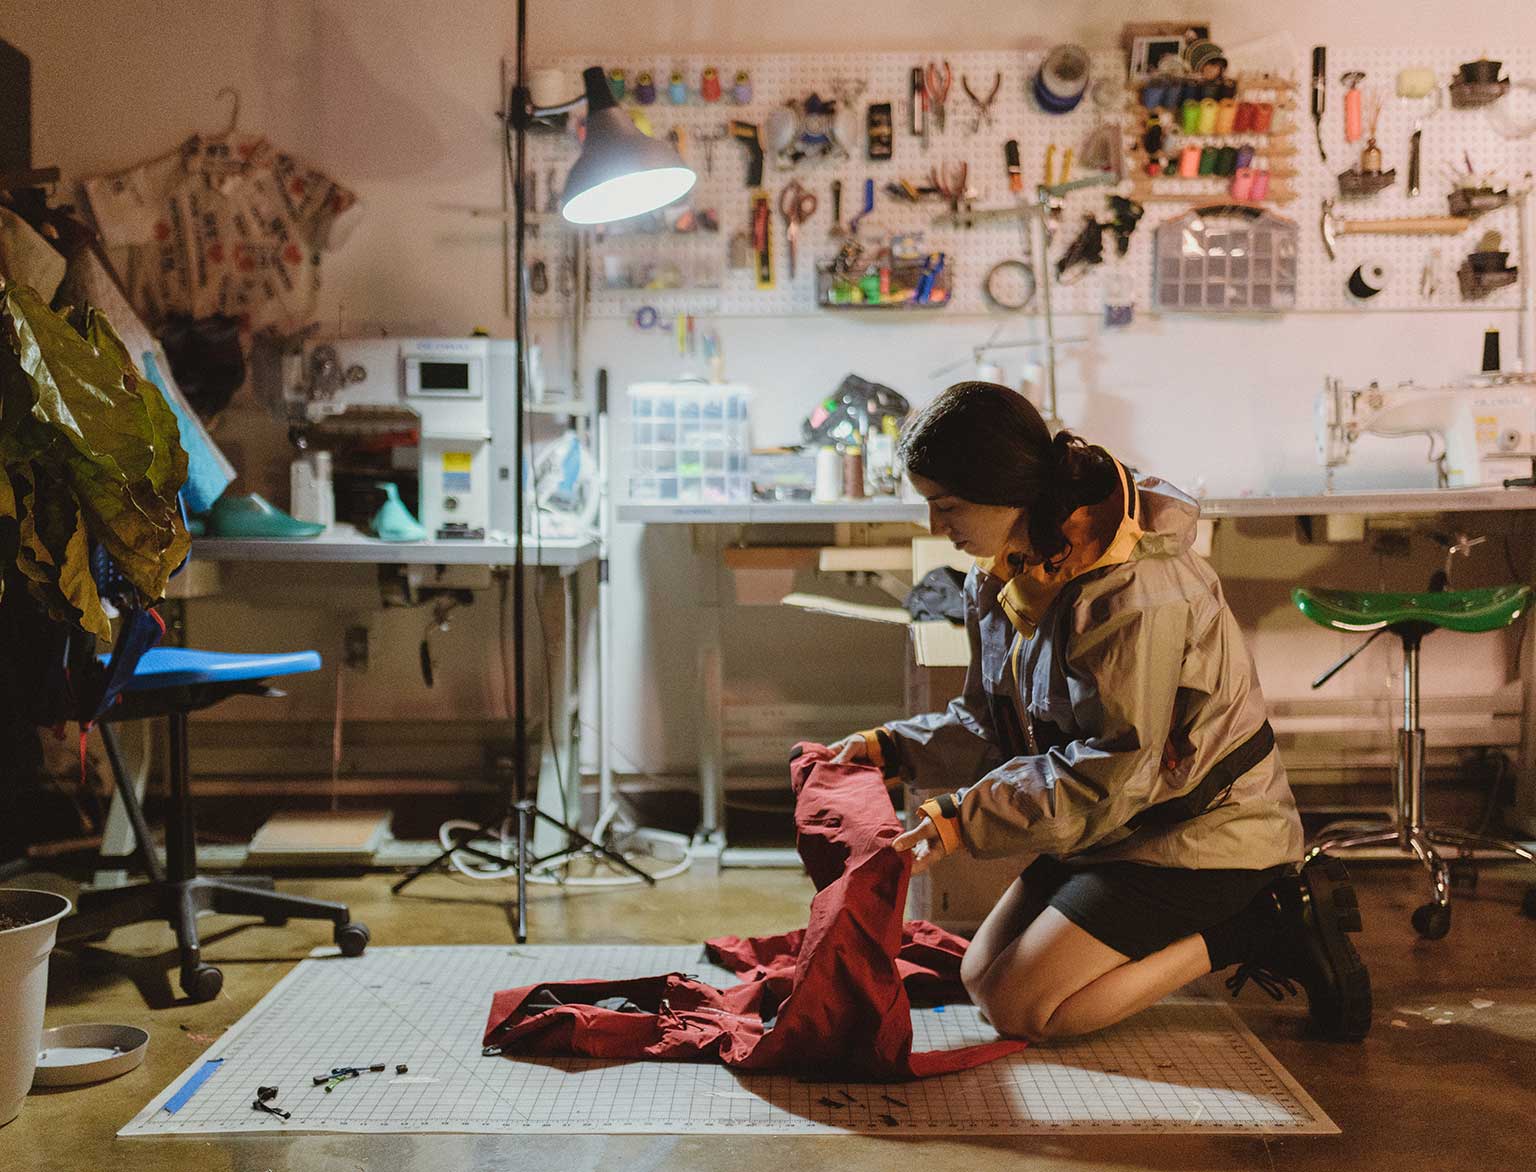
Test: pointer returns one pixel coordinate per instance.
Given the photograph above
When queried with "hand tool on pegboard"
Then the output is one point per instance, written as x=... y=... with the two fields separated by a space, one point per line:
x=1334 y=226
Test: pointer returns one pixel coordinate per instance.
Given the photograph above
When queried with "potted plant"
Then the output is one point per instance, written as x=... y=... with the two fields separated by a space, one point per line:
x=29 y=921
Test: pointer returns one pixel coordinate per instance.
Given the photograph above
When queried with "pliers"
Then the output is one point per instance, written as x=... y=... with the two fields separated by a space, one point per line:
x=983 y=105
x=936 y=86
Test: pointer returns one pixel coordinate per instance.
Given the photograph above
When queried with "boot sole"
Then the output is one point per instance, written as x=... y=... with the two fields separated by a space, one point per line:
x=1336 y=914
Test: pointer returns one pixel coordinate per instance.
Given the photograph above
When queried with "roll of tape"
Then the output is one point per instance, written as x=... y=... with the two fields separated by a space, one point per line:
x=1368 y=280
x=1062 y=79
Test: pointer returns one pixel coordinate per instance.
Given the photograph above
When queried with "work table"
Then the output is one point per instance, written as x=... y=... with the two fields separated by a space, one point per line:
x=1445 y=500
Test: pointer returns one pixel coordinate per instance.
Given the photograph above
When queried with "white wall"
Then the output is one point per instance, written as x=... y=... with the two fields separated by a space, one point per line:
x=396 y=98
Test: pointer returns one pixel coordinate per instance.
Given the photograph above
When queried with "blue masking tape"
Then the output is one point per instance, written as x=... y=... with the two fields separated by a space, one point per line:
x=189 y=1088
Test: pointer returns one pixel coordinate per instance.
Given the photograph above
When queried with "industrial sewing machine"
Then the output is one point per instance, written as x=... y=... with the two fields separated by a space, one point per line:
x=1485 y=426
x=456 y=393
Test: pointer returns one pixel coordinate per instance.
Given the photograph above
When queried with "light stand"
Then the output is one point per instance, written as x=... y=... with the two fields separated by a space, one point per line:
x=620 y=173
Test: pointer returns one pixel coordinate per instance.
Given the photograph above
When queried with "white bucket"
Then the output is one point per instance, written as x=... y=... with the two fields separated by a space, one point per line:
x=24 y=988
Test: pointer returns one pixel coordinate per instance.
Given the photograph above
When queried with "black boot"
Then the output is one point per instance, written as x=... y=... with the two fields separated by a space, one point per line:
x=1310 y=917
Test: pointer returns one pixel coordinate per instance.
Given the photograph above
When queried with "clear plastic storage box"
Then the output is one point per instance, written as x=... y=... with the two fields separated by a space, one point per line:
x=688 y=443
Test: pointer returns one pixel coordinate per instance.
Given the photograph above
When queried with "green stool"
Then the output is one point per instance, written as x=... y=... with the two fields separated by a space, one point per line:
x=1410 y=617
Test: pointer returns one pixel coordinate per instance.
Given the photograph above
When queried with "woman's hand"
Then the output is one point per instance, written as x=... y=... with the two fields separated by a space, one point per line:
x=924 y=843
x=853 y=747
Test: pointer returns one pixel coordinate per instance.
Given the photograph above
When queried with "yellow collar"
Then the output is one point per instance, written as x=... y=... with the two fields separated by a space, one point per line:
x=1027 y=594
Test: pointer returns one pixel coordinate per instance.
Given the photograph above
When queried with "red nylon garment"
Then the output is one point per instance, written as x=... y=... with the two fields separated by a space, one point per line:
x=827 y=1001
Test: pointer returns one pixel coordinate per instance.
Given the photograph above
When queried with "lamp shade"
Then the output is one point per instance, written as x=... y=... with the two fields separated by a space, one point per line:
x=621 y=172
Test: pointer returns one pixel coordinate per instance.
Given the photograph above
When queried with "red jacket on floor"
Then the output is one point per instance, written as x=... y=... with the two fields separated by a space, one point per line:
x=827 y=1001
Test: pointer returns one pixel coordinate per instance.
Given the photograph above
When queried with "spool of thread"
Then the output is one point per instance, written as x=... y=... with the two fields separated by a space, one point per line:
x=1189 y=162
x=853 y=473
x=1242 y=184
x=1243 y=119
x=1244 y=157
x=1226 y=160
x=989 y=372
x=1260 y=185
x=1353 y=119
x=1207 y=164
x=1263 y=114
x=1226 y=116
x=829 y=475
x=1189 y=116
x=1209 y=108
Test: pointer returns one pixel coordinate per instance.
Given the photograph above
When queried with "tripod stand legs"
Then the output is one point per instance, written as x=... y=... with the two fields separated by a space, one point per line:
x=526 y=814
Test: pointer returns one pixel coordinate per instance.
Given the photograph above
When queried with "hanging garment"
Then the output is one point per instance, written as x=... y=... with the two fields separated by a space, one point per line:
x=223 y=226
x=826 y=1002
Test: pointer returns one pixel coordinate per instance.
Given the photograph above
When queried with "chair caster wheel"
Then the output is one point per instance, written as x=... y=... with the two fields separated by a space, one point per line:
x=1528 y=904
x=1432 y=921
x=202 y=983
x=1464 y=874
x=352 y=938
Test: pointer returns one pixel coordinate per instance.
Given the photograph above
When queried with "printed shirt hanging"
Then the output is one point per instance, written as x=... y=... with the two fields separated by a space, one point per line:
x=231 y=226
x=828 y=1001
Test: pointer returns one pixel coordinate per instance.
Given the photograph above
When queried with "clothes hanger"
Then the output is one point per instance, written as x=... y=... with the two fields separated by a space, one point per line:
x=218 y=136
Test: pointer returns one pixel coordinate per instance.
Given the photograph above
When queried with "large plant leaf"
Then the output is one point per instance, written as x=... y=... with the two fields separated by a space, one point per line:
x=78 y=389
x=168 y=466
x=86 y=413
x=53 y=552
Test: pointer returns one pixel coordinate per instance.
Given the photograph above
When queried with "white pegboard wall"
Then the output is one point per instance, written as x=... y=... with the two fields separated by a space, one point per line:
x=1449 y=134
x=717 y=289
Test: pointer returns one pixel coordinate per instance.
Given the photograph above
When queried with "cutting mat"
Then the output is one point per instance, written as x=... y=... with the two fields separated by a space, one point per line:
x=1185 y=1065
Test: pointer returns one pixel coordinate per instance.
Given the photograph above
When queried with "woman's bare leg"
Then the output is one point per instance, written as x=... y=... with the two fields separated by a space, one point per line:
x=1055 y=980
x=1014 y=911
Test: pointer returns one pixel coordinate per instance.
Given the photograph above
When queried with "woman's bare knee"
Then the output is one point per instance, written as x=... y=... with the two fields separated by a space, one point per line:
x=973 y=968
x=1016 y=1014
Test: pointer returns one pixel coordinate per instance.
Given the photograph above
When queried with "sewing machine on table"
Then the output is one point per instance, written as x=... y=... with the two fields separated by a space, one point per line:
x=456 y=393
x=1486 y=426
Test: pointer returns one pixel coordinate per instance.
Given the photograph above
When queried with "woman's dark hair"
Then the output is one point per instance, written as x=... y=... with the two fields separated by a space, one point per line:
x=987 y=444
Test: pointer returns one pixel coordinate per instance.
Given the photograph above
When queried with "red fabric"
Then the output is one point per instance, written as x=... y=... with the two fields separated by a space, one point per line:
x=831 y=995
x=927 y=963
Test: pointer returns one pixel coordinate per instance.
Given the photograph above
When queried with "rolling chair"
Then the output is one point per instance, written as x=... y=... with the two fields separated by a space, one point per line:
x=1411 y=617
x=173 y=682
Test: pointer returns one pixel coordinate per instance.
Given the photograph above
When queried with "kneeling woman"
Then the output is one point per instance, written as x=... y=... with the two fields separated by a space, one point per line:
x=1112 y=728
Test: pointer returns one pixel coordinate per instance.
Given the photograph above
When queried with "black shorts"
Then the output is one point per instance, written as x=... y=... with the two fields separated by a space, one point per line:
x=1138 y=909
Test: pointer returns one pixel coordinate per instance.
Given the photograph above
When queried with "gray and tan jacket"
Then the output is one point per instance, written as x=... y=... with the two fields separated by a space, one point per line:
x=1113 y=714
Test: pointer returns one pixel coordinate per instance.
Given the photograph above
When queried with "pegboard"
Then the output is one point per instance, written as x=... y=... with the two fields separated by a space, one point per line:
x=717 y=289
x=1448 y=135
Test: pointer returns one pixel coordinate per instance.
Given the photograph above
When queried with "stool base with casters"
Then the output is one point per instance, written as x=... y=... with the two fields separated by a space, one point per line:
x=171 y=682
x=1411 y=617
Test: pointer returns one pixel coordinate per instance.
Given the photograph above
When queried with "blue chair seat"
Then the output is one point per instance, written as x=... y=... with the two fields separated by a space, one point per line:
x=175 y=667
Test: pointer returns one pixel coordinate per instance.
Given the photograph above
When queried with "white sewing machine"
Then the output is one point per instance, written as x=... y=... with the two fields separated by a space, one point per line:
x=457 y=392
x=1486 y=427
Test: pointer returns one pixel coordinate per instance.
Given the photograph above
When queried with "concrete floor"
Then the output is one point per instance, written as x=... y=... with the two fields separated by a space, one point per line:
x=1421 y=1091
